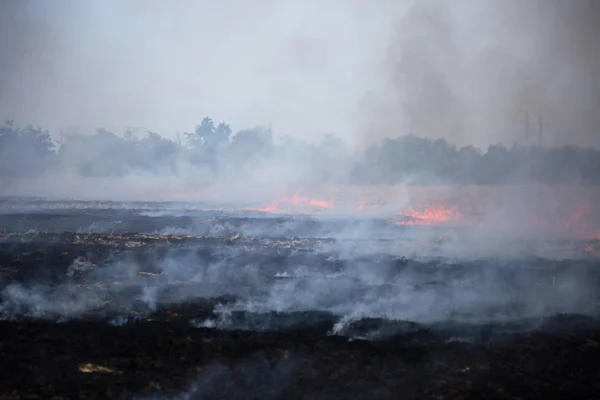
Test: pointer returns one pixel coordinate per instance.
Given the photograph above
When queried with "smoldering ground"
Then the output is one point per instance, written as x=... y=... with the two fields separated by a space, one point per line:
x=470 y=72
x=269 y=378
x=269 y=282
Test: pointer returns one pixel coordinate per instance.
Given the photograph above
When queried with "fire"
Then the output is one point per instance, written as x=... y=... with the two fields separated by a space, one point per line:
x=576 y=225
x=591 y=248
x=295 y=205
x=432 y=215
x=552 y=217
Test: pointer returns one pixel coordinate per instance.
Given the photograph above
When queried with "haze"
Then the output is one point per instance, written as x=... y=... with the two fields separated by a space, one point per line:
x=468 y=71
x=82 y=65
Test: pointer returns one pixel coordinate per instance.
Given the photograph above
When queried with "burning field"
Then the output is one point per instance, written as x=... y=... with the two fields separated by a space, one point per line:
x=299 y=297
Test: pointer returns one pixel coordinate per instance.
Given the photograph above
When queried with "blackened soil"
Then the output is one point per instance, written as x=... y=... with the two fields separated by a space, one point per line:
x=123 y=348
x=94 y=360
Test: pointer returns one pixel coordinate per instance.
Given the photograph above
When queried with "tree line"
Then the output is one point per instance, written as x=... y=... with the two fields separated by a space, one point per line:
x=30 y=152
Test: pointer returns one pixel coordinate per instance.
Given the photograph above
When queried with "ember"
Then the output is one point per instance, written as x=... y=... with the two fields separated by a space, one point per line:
x=295 y=205
x=215 y=304
x=577 y=224
x=433 y=215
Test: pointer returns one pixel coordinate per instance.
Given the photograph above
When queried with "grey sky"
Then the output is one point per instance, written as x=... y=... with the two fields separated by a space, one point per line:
x=465 y=70
x=301 y=66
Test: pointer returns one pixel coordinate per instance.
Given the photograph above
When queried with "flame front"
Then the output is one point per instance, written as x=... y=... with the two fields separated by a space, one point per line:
x=576 y=225
x=432 y=215
x=295 y=205
x=578 y=221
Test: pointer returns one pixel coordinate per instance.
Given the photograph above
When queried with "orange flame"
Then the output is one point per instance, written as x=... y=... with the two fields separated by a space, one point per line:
x=549 y=218
x=295 y=204
x=432 y=215
x=576 y=225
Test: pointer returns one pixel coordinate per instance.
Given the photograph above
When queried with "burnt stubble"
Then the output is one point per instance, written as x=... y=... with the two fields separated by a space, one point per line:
x=123 y=302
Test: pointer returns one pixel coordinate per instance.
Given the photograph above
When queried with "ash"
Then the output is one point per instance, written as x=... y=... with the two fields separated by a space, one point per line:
x=205 y=303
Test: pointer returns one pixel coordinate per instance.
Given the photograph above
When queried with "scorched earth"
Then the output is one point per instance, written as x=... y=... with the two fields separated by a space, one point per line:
x=298 y=298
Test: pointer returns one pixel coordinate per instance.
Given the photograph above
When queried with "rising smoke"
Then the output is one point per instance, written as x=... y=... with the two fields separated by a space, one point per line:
x=81 y=66
x=470 y=72
x=466 y=71
x=474 y=72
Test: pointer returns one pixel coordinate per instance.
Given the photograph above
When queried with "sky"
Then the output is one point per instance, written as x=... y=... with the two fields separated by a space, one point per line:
x=300 y=66
x=468 y=71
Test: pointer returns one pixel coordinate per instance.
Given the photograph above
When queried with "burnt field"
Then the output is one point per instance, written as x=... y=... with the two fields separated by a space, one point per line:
x=152 y=300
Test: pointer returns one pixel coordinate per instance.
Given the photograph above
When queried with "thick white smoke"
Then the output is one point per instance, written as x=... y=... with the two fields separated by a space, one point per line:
x=474 y=72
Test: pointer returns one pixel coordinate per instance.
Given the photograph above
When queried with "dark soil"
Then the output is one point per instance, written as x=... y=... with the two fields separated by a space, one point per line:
x=92 y=360
x=122 y=348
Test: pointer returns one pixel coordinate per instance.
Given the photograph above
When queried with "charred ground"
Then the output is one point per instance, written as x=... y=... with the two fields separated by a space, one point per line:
x=122 y=303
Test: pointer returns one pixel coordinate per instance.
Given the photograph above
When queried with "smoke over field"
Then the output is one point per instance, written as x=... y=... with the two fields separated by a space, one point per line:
x=266 y=281
x=341 y=199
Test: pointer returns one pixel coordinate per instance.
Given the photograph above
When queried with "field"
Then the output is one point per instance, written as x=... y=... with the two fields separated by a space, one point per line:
x=185 y=301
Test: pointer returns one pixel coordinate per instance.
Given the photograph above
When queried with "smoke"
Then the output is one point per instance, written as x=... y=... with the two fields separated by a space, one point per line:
x=74 y=68
x=269 y=283
x=473 y=72
x=468 y=71
x=266 y=379
x=77 y=66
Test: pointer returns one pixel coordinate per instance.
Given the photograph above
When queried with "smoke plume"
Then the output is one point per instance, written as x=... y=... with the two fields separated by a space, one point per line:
x=475 y=72
x=80 y=66
x=469 y=72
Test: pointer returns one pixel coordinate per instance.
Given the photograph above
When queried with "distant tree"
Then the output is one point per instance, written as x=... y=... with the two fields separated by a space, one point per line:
x=248 y=144
x=30 y=151
x=198 y=138
x=101 y=154
x=156 y=153
x=468 y=160
x=444 y=160
x=221 y=135
x=332 y=143
x=495 y=166
x=25 y=152
x=208 y=136
x=330 y=159
x=208 y=142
